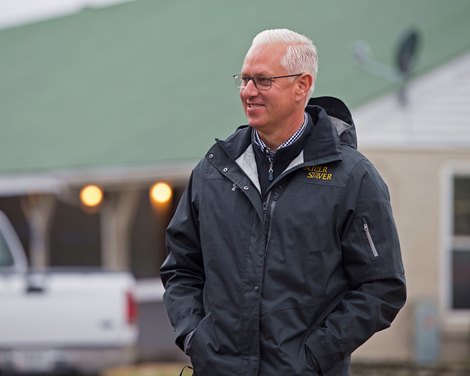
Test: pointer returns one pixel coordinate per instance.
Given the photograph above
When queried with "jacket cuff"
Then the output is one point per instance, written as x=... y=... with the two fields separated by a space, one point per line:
x=187 y=342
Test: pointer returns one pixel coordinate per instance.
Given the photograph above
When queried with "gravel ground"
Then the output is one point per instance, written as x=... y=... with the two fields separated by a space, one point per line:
x=357 y=369
x=157 y=369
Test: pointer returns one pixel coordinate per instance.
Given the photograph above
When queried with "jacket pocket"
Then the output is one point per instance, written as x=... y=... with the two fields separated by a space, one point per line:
x=214 y=348
x=379 y=240
x=373 y=249
x=341 y=369
x=310 y=361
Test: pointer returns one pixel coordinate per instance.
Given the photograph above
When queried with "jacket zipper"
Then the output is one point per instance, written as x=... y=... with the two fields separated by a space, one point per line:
x=270 y=158
x=369 y=239
x=270 y=171
x=268 y=215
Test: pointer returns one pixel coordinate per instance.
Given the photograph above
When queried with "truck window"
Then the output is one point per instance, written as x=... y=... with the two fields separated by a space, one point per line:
x=5 y=255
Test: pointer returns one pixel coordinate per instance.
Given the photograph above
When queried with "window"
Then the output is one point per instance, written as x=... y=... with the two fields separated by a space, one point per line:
x=5 y=254
x=460 y=252
x=74 y=237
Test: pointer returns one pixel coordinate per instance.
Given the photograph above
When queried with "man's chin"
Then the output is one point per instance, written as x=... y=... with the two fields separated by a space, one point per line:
x=256 y=122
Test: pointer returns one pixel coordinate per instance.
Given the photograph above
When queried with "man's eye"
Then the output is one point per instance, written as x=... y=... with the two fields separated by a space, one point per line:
x=263 y=81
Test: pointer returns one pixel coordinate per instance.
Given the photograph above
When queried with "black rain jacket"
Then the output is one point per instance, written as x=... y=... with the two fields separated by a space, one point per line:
x=293 y=282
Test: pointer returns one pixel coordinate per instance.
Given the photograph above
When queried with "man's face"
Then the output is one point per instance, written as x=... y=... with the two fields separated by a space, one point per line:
x=268 y=110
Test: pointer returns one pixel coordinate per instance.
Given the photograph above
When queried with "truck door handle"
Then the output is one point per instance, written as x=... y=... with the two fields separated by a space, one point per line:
x=34 y=289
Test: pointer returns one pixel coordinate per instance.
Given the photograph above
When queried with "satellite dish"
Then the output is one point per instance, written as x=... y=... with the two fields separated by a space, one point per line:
x=407 y=52
x=398 y=73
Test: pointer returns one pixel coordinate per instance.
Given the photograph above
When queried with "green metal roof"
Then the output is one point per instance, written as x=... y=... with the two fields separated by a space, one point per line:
x=148 y=82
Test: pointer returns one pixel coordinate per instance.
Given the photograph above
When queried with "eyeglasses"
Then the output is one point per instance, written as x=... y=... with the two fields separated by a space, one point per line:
x=260 y=82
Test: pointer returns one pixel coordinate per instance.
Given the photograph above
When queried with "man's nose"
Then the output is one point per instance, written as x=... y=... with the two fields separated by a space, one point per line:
x=250 y=89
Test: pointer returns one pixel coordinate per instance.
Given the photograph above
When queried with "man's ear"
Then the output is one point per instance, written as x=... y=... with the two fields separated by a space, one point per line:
x=304 y=83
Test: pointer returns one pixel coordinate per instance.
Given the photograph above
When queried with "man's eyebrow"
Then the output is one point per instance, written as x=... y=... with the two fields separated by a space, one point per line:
x=259 y=74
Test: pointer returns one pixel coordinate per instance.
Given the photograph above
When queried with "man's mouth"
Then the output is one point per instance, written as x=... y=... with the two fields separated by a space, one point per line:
x=254 y=105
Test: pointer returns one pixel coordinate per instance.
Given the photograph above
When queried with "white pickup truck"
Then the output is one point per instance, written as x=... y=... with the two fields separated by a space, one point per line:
x=61 y=320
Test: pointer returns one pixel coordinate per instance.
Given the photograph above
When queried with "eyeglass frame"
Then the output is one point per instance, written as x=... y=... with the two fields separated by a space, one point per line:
x=254 y=78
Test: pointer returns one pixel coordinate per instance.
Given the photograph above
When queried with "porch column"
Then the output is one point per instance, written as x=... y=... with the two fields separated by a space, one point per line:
x=117 y=212
x=39 y=209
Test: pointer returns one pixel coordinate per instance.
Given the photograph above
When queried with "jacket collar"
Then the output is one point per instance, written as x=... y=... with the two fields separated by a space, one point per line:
x=332 y=126
x=340 y=116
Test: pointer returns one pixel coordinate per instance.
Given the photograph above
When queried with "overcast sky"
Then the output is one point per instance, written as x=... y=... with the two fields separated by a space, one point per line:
x=19 y=12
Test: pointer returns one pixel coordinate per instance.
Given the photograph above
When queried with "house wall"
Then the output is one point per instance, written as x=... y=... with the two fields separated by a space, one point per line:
x=417 y=180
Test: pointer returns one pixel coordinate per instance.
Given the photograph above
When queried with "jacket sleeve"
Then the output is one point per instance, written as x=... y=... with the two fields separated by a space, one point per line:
x=372 y=261
x=182 y=272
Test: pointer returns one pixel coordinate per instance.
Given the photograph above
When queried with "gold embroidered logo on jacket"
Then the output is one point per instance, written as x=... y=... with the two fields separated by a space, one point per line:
x=318 y=172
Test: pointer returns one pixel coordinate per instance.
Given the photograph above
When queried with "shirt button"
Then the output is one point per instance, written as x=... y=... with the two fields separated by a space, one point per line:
x=211 y=156
x=256 y=288
x=245 y=187
x=225 y=169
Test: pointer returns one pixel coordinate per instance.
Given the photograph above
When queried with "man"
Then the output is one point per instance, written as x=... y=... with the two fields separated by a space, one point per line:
x=283 y=253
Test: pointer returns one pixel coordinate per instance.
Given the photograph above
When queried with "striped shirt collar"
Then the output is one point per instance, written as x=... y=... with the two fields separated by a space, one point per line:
x=271 y=153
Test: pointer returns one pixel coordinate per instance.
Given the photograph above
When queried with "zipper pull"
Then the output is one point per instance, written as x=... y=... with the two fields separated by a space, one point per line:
x=270 y=158
x=270 y=171
x=369 y=239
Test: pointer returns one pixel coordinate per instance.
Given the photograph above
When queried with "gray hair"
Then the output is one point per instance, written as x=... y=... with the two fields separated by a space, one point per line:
x=301 y=55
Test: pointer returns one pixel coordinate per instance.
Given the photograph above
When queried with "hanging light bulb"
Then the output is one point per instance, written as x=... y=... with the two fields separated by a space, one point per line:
x=160 y=193
x=91 y=195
